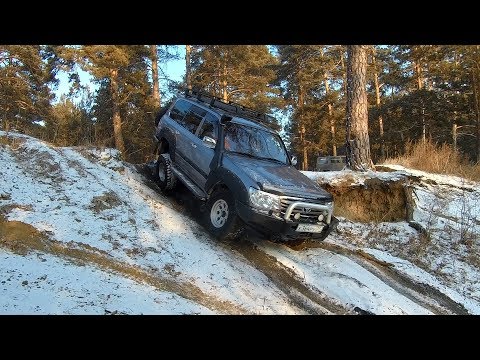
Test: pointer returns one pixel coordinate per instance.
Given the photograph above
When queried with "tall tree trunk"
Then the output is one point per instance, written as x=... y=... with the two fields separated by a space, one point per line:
x=378 y=103
x=424 y=125
x=454 y=136
x=330 y=116
x=156 y=87
x=344 y=73
x=188 y=50
x=302 y=129
x=224 y=81
x=7 y=108
x=305 y=150
x=476 y=101
x=357 y=140
x=418 y=73
x=5 y=120
x=117 y=120
x=428 y=81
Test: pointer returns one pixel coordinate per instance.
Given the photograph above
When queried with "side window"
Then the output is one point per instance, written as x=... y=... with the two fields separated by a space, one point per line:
x=194 y=118
x=180 y=110
x=208 y=128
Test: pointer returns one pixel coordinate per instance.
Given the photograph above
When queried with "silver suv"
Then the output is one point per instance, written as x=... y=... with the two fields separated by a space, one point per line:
x=231 y=158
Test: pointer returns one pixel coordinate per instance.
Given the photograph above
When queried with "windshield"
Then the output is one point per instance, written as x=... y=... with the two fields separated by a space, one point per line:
x=254 y=142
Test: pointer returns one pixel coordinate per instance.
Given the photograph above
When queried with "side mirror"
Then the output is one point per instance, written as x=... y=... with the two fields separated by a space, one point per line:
x=209 y=142
x=293 y=160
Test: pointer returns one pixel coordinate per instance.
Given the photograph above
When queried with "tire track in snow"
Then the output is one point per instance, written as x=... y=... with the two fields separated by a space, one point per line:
x=313 y=302
x=422 y=294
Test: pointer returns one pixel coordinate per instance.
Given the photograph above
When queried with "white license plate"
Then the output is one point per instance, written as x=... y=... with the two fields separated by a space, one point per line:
x=311 y=228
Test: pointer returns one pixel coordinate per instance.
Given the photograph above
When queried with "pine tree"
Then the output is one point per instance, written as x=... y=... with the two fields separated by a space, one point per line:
x=69 y=125
x=188 y=66
x=474 y=60
x=24 y=92
x=291 y=75
x=102 y=116
x=376 y=84
x=133 y=103
x=239 y=73
x=357 y=140
x=311 y=80
x=119 y=66
x=159 y=54
x=426 y=93
x=155 y=84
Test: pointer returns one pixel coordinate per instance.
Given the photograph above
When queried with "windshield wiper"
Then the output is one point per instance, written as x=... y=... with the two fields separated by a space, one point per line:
x=269 y=158
x=243 y=153
x=257 y=157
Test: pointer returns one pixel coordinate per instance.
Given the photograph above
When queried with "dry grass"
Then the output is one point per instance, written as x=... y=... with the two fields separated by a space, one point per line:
x=11 y=141
x=434 y=158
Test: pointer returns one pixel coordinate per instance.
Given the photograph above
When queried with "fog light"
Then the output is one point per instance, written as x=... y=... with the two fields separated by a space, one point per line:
x=320 y=217
x=296 y=216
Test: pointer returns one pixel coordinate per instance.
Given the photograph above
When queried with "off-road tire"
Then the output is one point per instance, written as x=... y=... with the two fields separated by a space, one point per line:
x=221 y=216
x=166 y=180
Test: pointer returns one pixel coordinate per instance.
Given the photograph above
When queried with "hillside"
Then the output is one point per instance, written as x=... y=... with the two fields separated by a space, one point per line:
x=82 y=232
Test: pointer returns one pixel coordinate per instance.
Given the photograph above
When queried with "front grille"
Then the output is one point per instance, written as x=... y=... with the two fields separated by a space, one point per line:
x=307 y=215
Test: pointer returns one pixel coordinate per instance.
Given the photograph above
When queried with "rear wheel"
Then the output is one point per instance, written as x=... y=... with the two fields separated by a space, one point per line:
x=165 y=178
x=221 y=215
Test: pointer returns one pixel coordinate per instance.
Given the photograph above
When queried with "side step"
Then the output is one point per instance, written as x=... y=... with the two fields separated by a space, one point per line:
x=199 y=193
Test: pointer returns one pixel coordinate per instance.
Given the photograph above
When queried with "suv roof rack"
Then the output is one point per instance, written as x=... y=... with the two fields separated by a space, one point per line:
x=233 y=108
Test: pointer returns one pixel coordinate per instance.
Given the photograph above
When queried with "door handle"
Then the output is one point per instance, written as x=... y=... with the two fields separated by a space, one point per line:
x=177 y=132
x=194 y=145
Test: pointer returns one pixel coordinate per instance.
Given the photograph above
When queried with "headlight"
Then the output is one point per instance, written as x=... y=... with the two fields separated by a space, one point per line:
x=263 y=200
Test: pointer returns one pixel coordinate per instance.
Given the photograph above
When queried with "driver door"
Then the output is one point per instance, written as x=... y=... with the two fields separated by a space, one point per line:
x=203 y=154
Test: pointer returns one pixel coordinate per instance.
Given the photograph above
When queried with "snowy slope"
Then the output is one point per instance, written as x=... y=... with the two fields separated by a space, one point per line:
x=114 y=245
x=57 y=188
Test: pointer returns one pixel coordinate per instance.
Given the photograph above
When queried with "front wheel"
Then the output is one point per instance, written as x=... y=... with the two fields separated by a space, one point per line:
x=165 y=178
x=221 y=215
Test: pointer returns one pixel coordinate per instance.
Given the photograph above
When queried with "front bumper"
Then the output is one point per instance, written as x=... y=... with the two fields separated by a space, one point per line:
x=282 y=229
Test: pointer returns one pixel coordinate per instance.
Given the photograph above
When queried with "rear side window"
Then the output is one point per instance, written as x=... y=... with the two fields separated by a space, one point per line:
x=193 y=118
x=208 y=127
x=180 y=110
